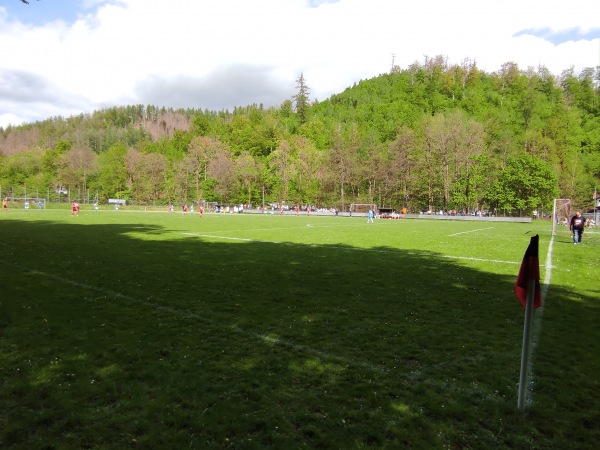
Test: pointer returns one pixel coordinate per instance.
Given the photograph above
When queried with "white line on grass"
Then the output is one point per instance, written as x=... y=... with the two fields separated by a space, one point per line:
x=411 y=375
x=548 y=267
x=537 y=321
x=218 y=237
x=303 y=227
x=471 y=231
x=190 y=315
x=480 y=259
x=212 y=236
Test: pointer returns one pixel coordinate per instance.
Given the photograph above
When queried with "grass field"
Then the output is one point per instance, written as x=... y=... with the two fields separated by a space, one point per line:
x=156 y=330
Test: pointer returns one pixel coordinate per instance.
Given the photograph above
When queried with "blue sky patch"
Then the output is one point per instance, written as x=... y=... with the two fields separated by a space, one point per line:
x=41 y=12
x=560 y=37
x=317 y=3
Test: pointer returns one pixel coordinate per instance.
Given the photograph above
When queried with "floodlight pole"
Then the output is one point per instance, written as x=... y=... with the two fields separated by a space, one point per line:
x=526 y=340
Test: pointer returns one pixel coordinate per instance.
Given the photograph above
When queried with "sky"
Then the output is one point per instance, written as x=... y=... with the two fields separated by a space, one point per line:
x=67 y=57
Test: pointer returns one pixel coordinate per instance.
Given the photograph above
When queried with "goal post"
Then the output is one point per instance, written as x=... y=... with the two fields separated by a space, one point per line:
x=362 y=207
x=561 y=213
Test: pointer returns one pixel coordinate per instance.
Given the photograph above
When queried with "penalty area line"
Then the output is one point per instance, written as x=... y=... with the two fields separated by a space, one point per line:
x=212 y=236
x=302 y=227
x=471 y=231
x=193 y=316
x=481 y=259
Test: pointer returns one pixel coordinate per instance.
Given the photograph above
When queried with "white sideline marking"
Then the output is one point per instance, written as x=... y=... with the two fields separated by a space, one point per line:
x=548 y=267
x=470 y=231
x=537 y=321
x=190 y=315
x=212 y=236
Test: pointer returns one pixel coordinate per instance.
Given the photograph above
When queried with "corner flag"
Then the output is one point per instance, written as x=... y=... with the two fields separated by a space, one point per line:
x=530 y=270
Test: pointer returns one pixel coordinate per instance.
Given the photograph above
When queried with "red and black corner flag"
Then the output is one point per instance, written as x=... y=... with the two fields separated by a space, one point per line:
x=530 y=270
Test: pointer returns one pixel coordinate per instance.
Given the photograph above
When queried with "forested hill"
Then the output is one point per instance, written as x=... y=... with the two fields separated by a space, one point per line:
x=428 y=137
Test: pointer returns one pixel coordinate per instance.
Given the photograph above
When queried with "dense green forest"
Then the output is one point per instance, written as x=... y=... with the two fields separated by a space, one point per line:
x=430 y=137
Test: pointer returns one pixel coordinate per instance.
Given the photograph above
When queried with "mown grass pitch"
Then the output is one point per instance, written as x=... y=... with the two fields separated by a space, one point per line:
x=156 y=330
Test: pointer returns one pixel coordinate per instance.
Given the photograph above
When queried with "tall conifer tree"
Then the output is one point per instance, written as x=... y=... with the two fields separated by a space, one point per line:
x=301 y=98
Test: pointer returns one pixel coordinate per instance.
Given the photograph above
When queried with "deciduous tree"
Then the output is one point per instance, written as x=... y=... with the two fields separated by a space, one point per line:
x=75 y=167
x=526 y=183
x=112 y=173
x=281 y=162
x=248 y=172
x=221 y=169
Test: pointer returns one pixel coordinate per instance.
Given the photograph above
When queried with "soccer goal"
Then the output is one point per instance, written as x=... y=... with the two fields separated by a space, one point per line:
x=561 y=213
x=362 y=207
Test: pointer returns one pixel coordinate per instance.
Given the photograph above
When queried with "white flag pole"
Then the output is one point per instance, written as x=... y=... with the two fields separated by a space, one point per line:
x=526 y=339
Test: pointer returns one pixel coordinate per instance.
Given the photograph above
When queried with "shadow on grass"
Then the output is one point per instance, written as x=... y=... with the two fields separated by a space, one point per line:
x=114 y=337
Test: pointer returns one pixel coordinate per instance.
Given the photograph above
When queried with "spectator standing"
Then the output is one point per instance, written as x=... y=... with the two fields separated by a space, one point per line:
x=576 y=226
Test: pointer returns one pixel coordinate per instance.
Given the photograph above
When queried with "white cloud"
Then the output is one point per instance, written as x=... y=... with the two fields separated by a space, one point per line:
x=226 y=53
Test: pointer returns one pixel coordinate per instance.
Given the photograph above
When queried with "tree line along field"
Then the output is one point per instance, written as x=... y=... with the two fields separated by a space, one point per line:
x=153 y=330
x=429 y=137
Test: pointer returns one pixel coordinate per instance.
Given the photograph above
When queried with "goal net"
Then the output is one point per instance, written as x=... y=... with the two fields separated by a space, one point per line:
x=561 y=213
x=362 y=207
